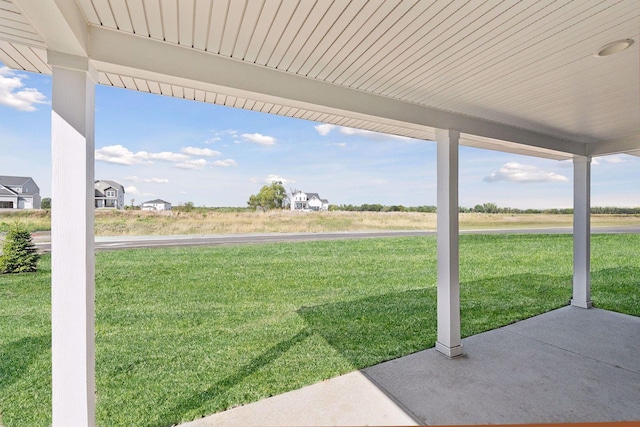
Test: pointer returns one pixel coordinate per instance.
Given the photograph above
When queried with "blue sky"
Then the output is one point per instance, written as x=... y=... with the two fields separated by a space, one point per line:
x=180 y=151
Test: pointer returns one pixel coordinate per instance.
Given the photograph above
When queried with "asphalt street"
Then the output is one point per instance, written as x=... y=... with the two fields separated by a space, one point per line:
x=102 y=243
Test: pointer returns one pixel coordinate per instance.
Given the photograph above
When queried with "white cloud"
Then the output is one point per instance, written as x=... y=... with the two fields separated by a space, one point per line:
x=192 y=164
x=195 y=151
x=615 y=159
x=219 y=135
x=272 y=178
x=168 y=156
x=339 y=144
x=324 y=128
x=13 y=93
x=133 y=191
x=517 y=172
x=224 y=163
x=147 y=180
x=258 y=138
x=156 y=180
x=121 y=155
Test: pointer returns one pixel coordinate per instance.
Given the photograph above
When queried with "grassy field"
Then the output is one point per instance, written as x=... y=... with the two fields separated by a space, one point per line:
x=120 y=223
x=185 y=332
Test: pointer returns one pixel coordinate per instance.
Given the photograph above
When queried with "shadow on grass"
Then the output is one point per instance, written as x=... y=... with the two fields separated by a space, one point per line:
x=617 y=289
x=371 y=330
x=375 y=329
x=499 y=301
x=17 y=356
x=174 y=414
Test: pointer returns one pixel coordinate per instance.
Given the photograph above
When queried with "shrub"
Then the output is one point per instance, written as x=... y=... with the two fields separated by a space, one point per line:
x=19 y=254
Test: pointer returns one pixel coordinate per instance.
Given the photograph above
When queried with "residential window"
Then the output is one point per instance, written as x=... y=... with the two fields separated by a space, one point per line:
x=110 y=193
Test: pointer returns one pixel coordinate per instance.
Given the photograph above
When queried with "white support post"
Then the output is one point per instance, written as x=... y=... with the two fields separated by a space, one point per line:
x=72 y=241
x=581 y=232
x=449 y=342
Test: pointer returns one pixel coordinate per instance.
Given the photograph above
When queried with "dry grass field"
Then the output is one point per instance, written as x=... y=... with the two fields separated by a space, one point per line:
x=123 y=223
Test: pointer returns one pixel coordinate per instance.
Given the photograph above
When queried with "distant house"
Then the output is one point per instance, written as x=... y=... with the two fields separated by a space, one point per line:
x=19 y=192
x=301 y=201
x=156 y=205
x=109 y=194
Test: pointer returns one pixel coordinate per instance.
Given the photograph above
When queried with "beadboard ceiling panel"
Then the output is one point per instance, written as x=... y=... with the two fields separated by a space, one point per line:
x=525 y=65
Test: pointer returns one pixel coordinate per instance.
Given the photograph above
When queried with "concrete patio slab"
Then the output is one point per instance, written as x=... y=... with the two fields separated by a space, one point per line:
x=348 y=400
x=568 y=365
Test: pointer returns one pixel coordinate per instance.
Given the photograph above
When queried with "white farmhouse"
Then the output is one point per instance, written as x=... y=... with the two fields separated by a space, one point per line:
x=301 y=201
x=109 y=194
x=19 y=192
x=156 y=205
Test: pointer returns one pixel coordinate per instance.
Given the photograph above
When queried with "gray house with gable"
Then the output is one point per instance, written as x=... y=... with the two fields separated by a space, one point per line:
x=19 y=192
x=109 y=194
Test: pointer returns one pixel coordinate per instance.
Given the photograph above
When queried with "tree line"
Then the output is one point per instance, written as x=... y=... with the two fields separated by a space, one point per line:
x=274 y=196
x=490 y=208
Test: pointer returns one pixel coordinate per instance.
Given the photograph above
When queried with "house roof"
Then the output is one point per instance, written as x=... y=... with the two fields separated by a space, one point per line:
x=156 y=201
x=12 y=181
x=7 y=192
x=102 y=185
x=522 y=77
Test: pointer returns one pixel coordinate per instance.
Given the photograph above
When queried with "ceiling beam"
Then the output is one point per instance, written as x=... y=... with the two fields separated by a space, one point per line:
x=59 y=22
x=143 y=57
x=627 y=144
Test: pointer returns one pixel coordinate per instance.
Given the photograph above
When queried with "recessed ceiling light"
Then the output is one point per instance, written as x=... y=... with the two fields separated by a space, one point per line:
x=614 y=47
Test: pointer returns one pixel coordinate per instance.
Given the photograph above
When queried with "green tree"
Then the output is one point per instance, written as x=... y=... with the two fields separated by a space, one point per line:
x=19 y=254
x=46 y=203
x=272 y=196
x=490 y=208
x=185 y=207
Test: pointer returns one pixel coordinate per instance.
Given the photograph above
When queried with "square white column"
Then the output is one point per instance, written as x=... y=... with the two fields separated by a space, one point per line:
x=449 y=342
x=581 y=232
x=72 y=241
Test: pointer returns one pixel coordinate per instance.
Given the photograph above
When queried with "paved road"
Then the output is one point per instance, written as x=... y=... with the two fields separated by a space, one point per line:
x=43 y=243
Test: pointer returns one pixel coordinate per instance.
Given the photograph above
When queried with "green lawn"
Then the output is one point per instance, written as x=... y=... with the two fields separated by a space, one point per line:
x=186 y=332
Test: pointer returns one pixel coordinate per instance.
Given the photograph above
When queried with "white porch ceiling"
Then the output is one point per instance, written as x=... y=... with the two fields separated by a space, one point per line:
x=517 y=76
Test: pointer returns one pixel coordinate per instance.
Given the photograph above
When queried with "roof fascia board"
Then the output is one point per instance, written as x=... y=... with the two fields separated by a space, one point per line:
x=513 y=148
x=614 y=146
x=61 y=24
x=112 y=50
